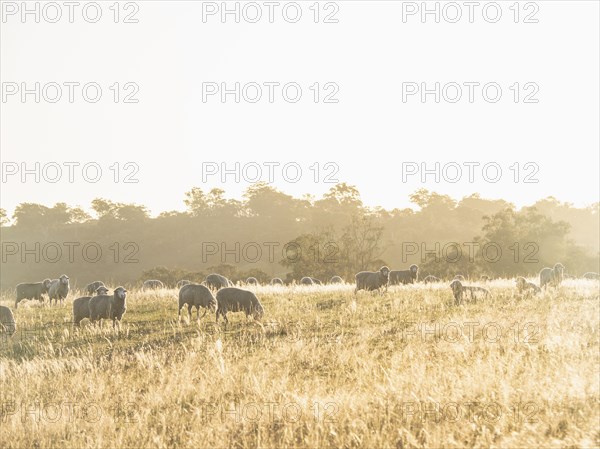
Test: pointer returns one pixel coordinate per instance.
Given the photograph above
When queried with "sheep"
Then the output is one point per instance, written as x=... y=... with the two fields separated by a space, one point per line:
x=196 y=295
x=336 y=280
x=232 y=299
x=429 y=279
x=369 y=280
x=591 y=275
x=316 y=281
x=276 y=281
x=216 y=281
x=551 y=276
x=32 y=290
x=91 y=288
x=59 y=289
x=7 y=321
x=153 y=284
x=523 y=286
x=109 y=307
x=183 y=282
x=409 y=276
x=306 y=281
x=252 y=281
x=459 y=290
x=81 y=306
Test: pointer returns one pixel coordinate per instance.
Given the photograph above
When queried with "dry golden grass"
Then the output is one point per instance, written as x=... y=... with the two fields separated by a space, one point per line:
x=325 y=369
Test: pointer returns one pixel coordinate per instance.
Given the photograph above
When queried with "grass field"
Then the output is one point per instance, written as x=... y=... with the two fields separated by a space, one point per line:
x=325 y=369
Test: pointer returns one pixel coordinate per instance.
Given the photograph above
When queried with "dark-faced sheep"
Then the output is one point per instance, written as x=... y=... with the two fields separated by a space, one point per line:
x=552 y=276
x=306 y=281
x=276 y=281
x=316 y=281
x=336 y=280
x=372 y=280
x=252 y=281
x=81 y=306
x=430 y=279
x=409 y=276
x=33 y=290
x=8 y=324
x=59 y=289
x=183 y=282
x=523 y=286
x=459 y=290
x=153 y=284
x=110 y=307
x=216 y=281
x=91 y=288
x=591 y=275
x=196 y=295
x=233 y=299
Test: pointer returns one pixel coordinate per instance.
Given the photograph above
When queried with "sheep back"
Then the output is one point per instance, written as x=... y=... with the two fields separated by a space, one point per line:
x=232 y=299
x=7 y=321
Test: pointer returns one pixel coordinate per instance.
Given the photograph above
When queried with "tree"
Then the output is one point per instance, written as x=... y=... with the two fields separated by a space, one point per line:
x=131 y=212
x=263 y=200
x=3 y=217
x=362 y=243
x=313 y=254
x=196 y=202
x=104 y=208
x=29 y=215
x=212 y=204
x=521 y=242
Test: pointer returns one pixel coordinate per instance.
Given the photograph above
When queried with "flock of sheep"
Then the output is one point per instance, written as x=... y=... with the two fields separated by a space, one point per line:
x=100 y=305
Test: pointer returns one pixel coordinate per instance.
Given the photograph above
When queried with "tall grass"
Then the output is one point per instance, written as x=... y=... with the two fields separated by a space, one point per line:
x=325 y=368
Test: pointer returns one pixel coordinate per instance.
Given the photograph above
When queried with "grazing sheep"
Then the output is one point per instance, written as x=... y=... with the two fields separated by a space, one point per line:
x=81 y=306
x=91 y=288
x=216 y=281
x=196 y=295
x=552 y=276
x=429 y=279
x=59 y=289
x=336 y=280
x=276 y=281
x=32 y=290
x=523 y=286
x=409 y=276
x=252 y=281
x=459 y=290
x=109 y=306
x=372 y=280
x=7 y=321
x=153 y=284
x=183 y=282
x=316 y=281
x=459 y=277
x=591 y=275
x=307 y=281
x=233 y=299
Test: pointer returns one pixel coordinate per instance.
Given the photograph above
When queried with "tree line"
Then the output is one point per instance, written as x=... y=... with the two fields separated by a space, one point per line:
x=269 y=234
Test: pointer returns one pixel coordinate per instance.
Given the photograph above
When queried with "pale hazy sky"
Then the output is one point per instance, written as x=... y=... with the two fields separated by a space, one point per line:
x=369 y=133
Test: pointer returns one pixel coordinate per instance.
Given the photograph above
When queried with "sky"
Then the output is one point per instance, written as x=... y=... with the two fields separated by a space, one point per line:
x=360 y=118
